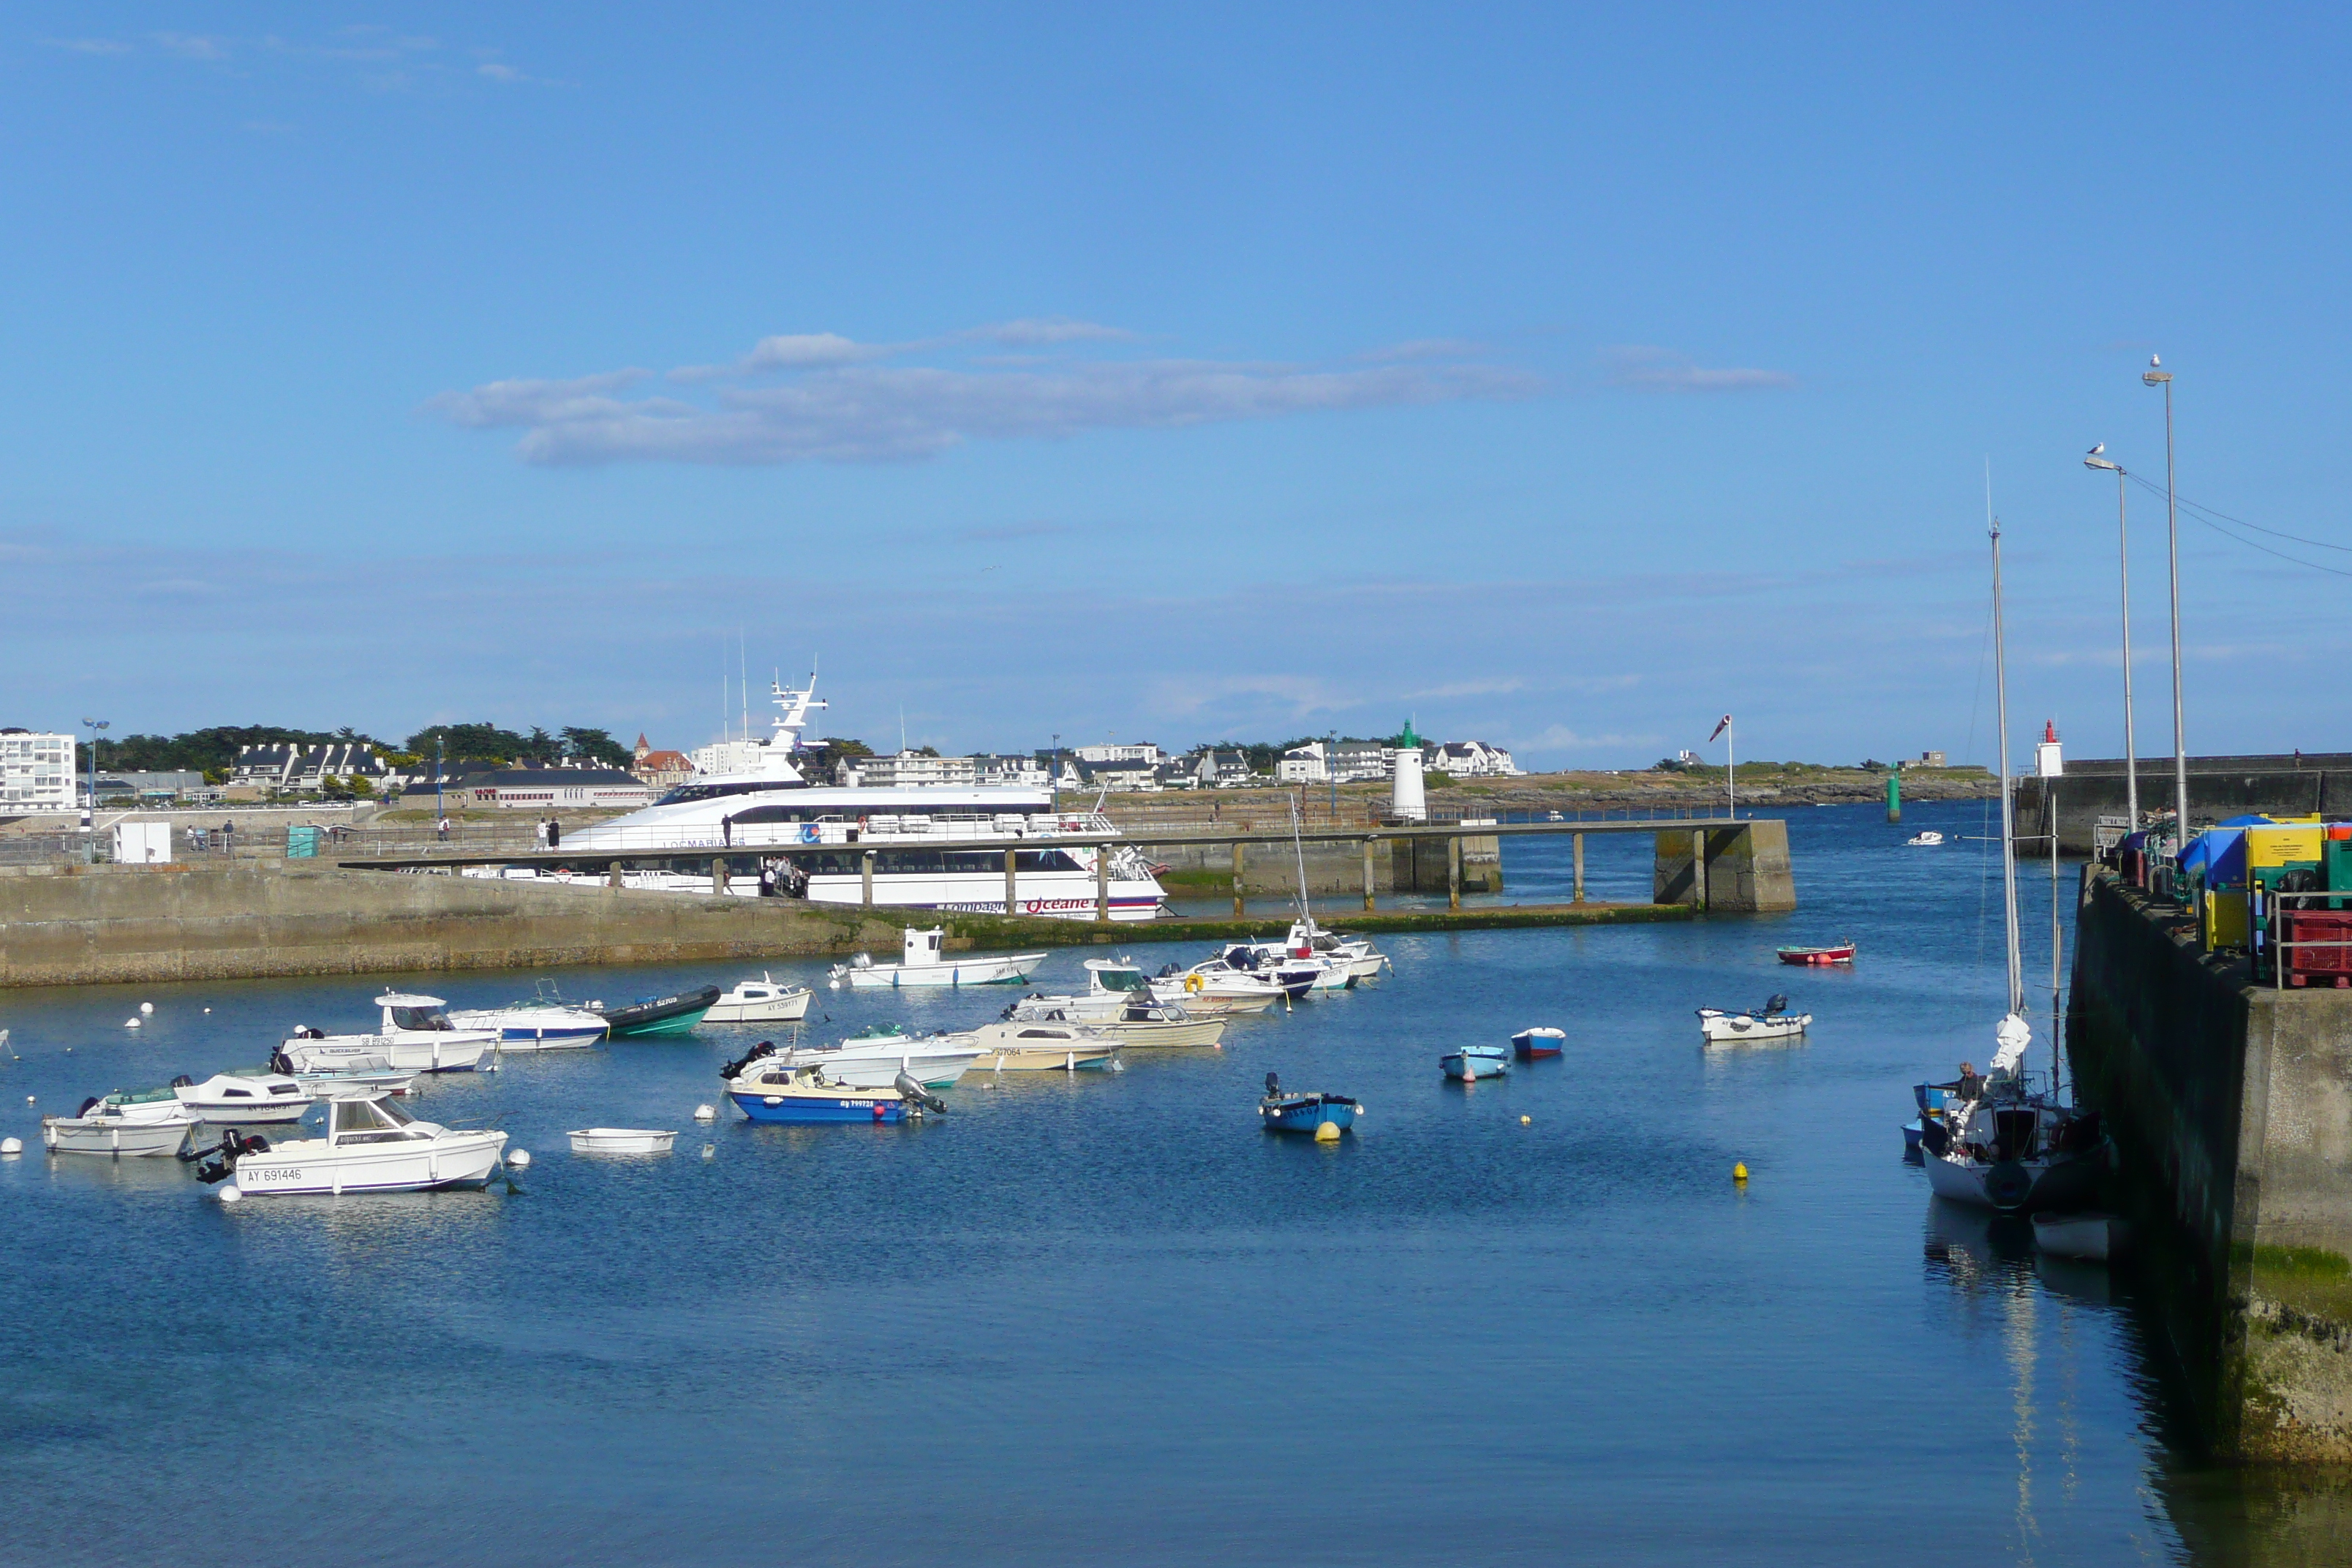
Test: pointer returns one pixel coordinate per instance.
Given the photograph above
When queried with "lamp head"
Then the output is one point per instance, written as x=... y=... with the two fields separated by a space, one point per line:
x=2156 y=374
x=2097 y=459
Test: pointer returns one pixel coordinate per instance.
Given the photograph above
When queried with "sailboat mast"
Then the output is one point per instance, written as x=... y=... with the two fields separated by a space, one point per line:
x=2008 y=819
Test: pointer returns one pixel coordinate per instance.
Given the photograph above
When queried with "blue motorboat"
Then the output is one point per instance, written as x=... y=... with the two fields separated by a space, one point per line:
x=1472 y=1063
x=1281 y=1111
x=1530 y=1045
x=804 y=1094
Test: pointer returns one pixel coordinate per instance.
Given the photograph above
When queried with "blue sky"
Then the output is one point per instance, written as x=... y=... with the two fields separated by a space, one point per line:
x=1559 y=378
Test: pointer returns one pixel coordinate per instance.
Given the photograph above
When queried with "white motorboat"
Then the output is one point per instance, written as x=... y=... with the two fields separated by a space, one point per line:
x=1133 y=1021
x=416 y=1035
x=923 y=964
x=871 y=1061
x=2001 y=1143
x=761 y=1001
x=125 y=1124
x=542 y=1023
x=254 y=1096
x=1215 y=987
x=1363 y=962
x=373 y=1075
x=2092 y=1237
x=1043 y=1047
x=1772 y=1021
x=370 y=1145
x=778 y=833
x=1927 y=839
x=620 y=1141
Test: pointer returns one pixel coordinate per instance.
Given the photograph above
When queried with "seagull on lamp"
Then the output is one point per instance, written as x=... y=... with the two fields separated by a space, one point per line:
x=2097 y=459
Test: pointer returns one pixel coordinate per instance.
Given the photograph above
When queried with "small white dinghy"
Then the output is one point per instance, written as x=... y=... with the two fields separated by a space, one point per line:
x=1772 y=1021
x=1927 y=840
x=761 y=1001
x=2092 y=1237
x=923 y=965
x=620 y=1141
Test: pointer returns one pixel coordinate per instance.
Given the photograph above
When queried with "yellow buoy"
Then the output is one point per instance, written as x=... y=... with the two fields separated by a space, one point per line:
x=1739 y=1174
x=1328 y=1133
x=1527 y=1120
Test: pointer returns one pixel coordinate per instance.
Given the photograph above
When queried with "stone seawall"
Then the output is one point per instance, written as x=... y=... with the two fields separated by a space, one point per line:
x=2230 y=1105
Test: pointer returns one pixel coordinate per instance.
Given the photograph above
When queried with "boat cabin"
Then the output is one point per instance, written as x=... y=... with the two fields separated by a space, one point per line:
x=404 y=1011
x=1109 y=977
x=921 y=948
x=360 y=1120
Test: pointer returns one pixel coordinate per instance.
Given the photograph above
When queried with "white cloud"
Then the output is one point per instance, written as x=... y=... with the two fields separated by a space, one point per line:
x=192 y=46
x=1467 y=689
x=1639 y=368
x=1561 y=738
x=834 y=407
x=1040 y=331
x=89 y=45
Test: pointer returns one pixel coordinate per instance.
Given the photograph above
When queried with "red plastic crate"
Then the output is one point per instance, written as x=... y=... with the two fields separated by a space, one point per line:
x=2333 y=964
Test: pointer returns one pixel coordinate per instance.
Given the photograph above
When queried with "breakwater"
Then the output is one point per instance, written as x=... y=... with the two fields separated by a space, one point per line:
x=82 y=925
x=2231 y=1104
x=2295 y=784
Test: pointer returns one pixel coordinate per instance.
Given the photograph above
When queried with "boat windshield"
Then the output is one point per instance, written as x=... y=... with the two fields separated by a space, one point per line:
x=685 y=793
x=1120 y=979
x=420 y=1018
x=368 y=1121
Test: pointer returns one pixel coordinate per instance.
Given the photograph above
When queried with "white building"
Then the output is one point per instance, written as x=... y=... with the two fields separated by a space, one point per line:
x=36 y=773
x=910 y=769
x=1146 y=753
x=1011 y=771
x=729 y=756
x=1471 y=760
x=1303 y=765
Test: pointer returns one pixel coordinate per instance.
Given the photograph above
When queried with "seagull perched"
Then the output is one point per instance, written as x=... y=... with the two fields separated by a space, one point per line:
x=2099 y=450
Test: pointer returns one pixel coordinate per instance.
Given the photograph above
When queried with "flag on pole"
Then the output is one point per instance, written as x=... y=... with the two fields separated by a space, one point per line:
x=1721 y=727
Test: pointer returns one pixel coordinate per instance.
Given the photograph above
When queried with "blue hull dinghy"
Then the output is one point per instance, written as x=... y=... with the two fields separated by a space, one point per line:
x=804 y=1094
x=1528 y=1045
x=1284 y=1112
x=1473 y=1062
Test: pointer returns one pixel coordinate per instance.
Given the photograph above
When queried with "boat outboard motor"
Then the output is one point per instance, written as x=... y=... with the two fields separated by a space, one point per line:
x=279 y=1061
x=183 y=1081
x=910 y=1090
x=1776 y=1004
x=1273 y=1085
x=763 y=1049
x=85 y=1106
x=1934 y=1136
x=221 y=1162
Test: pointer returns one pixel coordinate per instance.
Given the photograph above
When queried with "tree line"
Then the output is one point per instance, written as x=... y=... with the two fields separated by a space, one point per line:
x=213 y=752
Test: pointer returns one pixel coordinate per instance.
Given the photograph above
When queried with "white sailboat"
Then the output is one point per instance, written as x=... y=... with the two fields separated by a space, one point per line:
x=2002 y=1143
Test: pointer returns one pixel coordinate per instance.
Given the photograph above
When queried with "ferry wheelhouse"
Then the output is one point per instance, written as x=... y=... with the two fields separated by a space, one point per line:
x=775 y=833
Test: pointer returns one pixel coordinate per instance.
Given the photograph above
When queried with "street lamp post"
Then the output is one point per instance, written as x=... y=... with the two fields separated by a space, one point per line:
x=2097 y=459
x=2157 y=375
x=440 y=752
x=89 y=810
x=1057 y=778
x=1331 y=770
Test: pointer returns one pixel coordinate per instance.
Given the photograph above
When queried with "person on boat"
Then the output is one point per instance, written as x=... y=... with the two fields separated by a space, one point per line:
x=1971 y=1084
x=727 y=831
x=538 y=833
x=554 y=834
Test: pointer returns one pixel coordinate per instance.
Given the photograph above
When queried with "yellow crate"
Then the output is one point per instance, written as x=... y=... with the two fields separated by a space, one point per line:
x=2225 y=920
x=2283 y=846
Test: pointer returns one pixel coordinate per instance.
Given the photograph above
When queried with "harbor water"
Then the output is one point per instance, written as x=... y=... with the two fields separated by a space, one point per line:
x=1094 y=1317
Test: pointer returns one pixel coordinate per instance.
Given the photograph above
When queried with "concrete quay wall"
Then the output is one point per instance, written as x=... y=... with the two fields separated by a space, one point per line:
x=2231 y=1104
x=98 y=924
x=1743 y=869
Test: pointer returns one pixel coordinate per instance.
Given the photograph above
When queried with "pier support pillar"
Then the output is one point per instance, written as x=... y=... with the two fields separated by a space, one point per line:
x=612 y=874
x=1369 y=904
x=719 y=874
x=1237 y=879
x=1698 y=861
x=1102 y=881
x=1453 y=872
x=865 y=879
x=1739 y=870
x=1578 y=840
x=1011 y=884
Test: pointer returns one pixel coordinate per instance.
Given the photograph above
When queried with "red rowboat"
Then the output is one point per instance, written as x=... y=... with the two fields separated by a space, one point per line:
x=1842 y=953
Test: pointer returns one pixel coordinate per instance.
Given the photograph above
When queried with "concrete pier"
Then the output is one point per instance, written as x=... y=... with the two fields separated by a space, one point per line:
x=2231 y=1105
x=1740 y=870
x=2297 y=785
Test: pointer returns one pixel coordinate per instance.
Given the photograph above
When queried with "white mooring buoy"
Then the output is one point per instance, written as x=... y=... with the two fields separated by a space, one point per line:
x=147 y=1009
x=704 y=1113
x=130 y=1023
x=11 y=1147
x=519 y=1159
x=229 y=1194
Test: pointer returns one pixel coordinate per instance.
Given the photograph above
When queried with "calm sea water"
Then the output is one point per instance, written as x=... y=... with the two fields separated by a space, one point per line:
x=1105 y=1317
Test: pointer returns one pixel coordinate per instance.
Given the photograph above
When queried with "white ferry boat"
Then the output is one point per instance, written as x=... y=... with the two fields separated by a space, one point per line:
x=733 y=817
